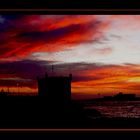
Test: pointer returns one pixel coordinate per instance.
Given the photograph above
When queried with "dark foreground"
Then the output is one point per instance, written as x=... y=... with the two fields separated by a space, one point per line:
x=37 y=112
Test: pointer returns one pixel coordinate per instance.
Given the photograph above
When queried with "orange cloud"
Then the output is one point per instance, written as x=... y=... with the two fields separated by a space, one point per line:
x=111 y=79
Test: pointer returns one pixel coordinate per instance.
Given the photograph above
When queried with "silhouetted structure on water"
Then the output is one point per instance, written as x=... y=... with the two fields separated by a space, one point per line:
x=121 y=96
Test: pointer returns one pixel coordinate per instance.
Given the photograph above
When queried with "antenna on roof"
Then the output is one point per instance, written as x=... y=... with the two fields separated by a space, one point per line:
x=52 y=70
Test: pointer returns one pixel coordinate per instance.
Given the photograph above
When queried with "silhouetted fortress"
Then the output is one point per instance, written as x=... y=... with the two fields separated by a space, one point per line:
x=55 y=87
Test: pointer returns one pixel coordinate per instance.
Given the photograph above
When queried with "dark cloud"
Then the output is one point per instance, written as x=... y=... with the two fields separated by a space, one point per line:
x=13 y=17
x=25 y=68
x=26 y=71
x=54 y=35
x=23 y=72
x=48 y=36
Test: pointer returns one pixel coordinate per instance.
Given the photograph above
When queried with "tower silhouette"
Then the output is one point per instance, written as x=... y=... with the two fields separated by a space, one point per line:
x=55 y=87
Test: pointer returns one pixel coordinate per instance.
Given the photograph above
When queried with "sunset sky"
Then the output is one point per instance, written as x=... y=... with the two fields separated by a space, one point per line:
x=101 y=51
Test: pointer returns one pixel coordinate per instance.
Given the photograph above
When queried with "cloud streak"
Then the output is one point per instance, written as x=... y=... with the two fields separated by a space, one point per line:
x=28 y=34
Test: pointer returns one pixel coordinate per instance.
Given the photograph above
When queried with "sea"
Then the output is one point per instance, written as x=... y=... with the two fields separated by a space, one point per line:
x=115 y=109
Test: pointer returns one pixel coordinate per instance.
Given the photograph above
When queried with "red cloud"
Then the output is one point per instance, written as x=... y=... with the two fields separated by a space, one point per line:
x=54 y=34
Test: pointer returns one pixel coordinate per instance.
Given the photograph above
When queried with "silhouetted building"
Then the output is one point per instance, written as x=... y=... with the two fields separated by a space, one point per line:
x=55 y=88
x=121 y=96
x=3 y=93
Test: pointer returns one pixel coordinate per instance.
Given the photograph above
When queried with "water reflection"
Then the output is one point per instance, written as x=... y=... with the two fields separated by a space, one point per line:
x=110 y=109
